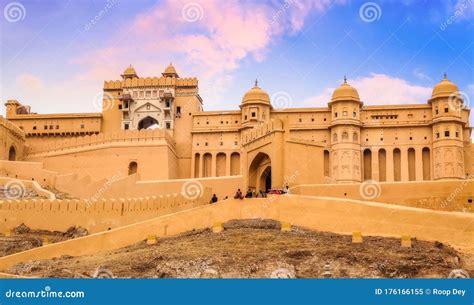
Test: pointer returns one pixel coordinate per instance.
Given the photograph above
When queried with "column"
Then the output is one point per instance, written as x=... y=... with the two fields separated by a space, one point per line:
x=227 y=163
x=193 y=165
x=419 y=163
x=389 y=167
x=375 y=165
x=404 y=164
x=201 y=160
x=214 y=165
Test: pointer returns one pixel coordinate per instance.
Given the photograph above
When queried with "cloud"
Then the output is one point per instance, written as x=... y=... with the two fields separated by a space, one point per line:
x=208 y=39
x=29 y=83
x=379 y=89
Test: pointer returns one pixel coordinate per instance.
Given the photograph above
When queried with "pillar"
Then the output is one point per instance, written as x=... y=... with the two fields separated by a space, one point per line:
x=419 y=163
x=404 y=164
x=214 y=165
x=227 y=163
x=375 y=165
x=389 y=167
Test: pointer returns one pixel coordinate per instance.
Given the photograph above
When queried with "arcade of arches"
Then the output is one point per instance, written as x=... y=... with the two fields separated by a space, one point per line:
x=216 y=164
x=409 y=164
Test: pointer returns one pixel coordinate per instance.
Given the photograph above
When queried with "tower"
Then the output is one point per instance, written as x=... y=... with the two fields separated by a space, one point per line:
x=345 y=127
x=447 y=125
x=255 y=106
x=12 y=106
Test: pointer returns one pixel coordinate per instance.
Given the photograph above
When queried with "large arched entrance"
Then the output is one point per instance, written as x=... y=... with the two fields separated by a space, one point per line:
x=147 y=122
x=12 y=154
x=260 y=173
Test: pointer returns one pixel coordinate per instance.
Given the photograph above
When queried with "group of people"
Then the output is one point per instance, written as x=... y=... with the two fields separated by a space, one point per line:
x=250 y=194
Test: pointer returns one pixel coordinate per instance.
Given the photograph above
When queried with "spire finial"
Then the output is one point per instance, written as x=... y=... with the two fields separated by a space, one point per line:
x=345 y=79
x=256 y=82
x=445 y=75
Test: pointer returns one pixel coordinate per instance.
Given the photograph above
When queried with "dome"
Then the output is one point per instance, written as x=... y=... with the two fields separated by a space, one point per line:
x=444 y=88
x=129 y=72
x=345 y=92
x=170 y=71
x=256 y=95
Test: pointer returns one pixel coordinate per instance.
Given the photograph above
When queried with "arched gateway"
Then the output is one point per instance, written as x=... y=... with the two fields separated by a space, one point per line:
x=260 y=173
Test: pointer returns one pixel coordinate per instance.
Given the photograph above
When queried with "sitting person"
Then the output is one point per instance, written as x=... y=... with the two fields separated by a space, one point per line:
x=238 y=195
x=249 y=194
x=214 y=199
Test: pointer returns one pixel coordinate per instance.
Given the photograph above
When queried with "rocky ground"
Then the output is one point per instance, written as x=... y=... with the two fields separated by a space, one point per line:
x=258 y=249
x=23 y=238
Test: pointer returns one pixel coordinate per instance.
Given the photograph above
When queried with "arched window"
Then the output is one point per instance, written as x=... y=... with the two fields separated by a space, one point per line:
x=345 y=135
x=355 y=137
x=12 y=154
x=132 y=168
x=334 y=137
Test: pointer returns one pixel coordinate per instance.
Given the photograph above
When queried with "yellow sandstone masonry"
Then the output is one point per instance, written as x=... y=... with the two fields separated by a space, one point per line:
x=217 y=227
x=357 y=237
x=406 y=241
x=285 y=226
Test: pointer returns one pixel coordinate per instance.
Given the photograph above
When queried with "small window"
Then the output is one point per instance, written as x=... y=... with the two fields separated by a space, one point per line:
x=120 y=106
x=411 y=138
x=437 y=135
x=324 y=120
x=446 y=109
x=245 y=117
x=34 y=127
x=82 y=126
x=335 y=114
x=381 y=139
x=178 y=109
x=236 y=122
x=126 y=126
x=206 y=144
x=236 y=143
x=446 y=133
x=222 y=122
x=299 y=120
x=312 y=119
x=436 y=111
x=57 y=126
x=168 y=125
x=253 y=114
x=457 y=134
x=221 y=143
x=354 y=114
x=45 y=126
x=207 y=122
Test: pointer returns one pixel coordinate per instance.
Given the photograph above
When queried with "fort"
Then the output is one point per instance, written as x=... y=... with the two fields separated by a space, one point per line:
x=149 y=162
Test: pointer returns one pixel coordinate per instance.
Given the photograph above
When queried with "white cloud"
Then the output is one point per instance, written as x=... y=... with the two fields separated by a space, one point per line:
x=379 y=89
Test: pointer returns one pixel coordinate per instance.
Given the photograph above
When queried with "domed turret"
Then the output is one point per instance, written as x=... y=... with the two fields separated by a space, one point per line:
x=445 y=88
x=255 y=106
x=256 y=96
x=345 y=92
x=129 y=73
x=170 y=71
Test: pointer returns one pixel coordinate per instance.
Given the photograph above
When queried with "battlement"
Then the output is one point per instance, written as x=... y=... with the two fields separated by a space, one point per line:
x=15 y=130
x=127 y=137
x=261 y=130
x=151 y=82
x=94 y=215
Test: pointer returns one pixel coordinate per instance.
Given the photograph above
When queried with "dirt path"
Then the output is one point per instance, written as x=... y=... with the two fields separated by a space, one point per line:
x=254 y=249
